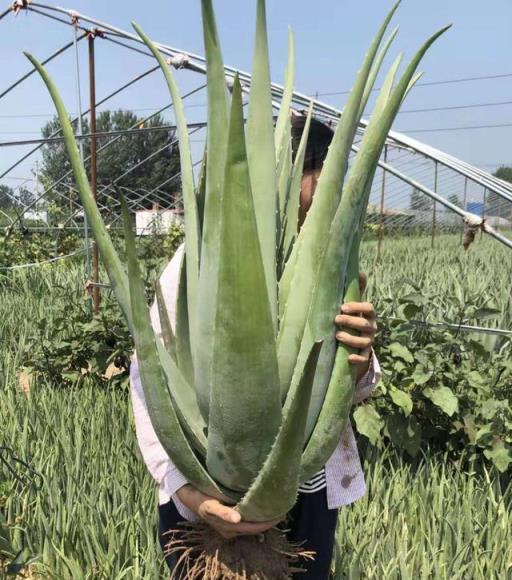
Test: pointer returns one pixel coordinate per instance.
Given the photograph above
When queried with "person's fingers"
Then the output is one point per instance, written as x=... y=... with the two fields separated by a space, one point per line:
x=214 y=509
x=358 y=342
x=363 y=282
x=220 y=525
x=356 y=323
x=225 y=530
x=359 y=308
x=359 y=359
x=228 y=530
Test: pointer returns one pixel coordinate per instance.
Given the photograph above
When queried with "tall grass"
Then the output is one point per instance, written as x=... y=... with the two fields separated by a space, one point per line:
x=94 y=514
x=429 y=521
x=452 y=276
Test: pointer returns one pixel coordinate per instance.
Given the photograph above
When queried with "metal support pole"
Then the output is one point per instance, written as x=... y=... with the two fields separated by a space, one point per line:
x=81 y=148
x=434 y=208
x=441 y=200
x=94 y=173
x=499 y=203
x=382 y=194
x=465 y=203
x=483 y=208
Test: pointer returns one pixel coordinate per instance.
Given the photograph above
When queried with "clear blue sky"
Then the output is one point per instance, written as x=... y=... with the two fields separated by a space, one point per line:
x=331 y=37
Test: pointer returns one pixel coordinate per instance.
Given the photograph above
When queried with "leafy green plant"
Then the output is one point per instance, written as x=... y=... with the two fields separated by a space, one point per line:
x=223 y=284
x=452 y=278
x=235 y=395
x=441 y=386
x=67 y=346
x=22 y=246
x=156 y=250
x=76 y=346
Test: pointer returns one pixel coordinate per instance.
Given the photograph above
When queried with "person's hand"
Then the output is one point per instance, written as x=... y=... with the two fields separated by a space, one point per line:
x=358 y=316
x=226 y=520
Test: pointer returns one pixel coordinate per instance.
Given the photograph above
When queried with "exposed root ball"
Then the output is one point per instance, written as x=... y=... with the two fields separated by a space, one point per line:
x=204 y=554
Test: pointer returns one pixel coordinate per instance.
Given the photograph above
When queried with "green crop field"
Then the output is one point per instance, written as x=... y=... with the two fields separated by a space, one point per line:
x=448 y=275
x=88 y=508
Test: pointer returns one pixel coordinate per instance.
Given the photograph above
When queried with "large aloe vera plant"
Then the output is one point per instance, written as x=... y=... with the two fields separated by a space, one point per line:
x=250 y=394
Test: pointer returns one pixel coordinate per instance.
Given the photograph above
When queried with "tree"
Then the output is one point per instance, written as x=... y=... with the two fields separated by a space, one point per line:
x=10 y=198
x=495 y=205
x=123 y=156
x=6 y=197
x=420 y=201
x=504 y=173
x=24 y=197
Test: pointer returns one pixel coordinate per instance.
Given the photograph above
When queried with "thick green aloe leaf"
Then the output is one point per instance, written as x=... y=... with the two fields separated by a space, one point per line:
x=179 y=371
x=287 y=275
x=355 y=199
x=312 y=245
x=117 y=275
x=159 y=402
x=387 y=87
x=338 y=401
x=216 y=145
x=284 y=153
x=262 y=156
x=201 y=191
x=115 y=270
x=329 y=350
x=283 y=118
x=192 y=240
x=344 y=230
x=245 y=407
x=284 y=171
x=165 y=323
x=376 y=69
x=293 y=202
x=185 y=402
x=274 y=492
x=183 y=342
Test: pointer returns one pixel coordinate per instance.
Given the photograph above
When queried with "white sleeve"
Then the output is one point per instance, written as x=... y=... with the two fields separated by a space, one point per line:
x=156 y=459
x=368 y=382
x=169 y=281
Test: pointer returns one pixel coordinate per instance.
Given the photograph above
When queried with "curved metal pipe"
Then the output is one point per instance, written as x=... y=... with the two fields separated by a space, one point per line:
x=197 y=62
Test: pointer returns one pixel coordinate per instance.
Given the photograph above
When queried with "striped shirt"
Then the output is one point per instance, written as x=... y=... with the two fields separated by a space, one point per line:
x=316 y=483
x=342 y=476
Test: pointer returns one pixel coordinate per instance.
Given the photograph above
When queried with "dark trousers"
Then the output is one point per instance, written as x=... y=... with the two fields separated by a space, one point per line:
x=311 y=524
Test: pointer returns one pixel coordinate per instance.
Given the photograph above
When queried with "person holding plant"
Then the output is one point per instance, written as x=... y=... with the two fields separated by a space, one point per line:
x=312 y=522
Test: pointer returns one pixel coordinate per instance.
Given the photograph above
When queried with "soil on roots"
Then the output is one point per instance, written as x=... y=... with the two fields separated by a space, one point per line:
x=204 y=554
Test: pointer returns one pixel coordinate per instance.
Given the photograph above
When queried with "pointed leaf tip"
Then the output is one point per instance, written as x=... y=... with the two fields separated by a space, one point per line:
x=439 y=33
x=393 y=10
